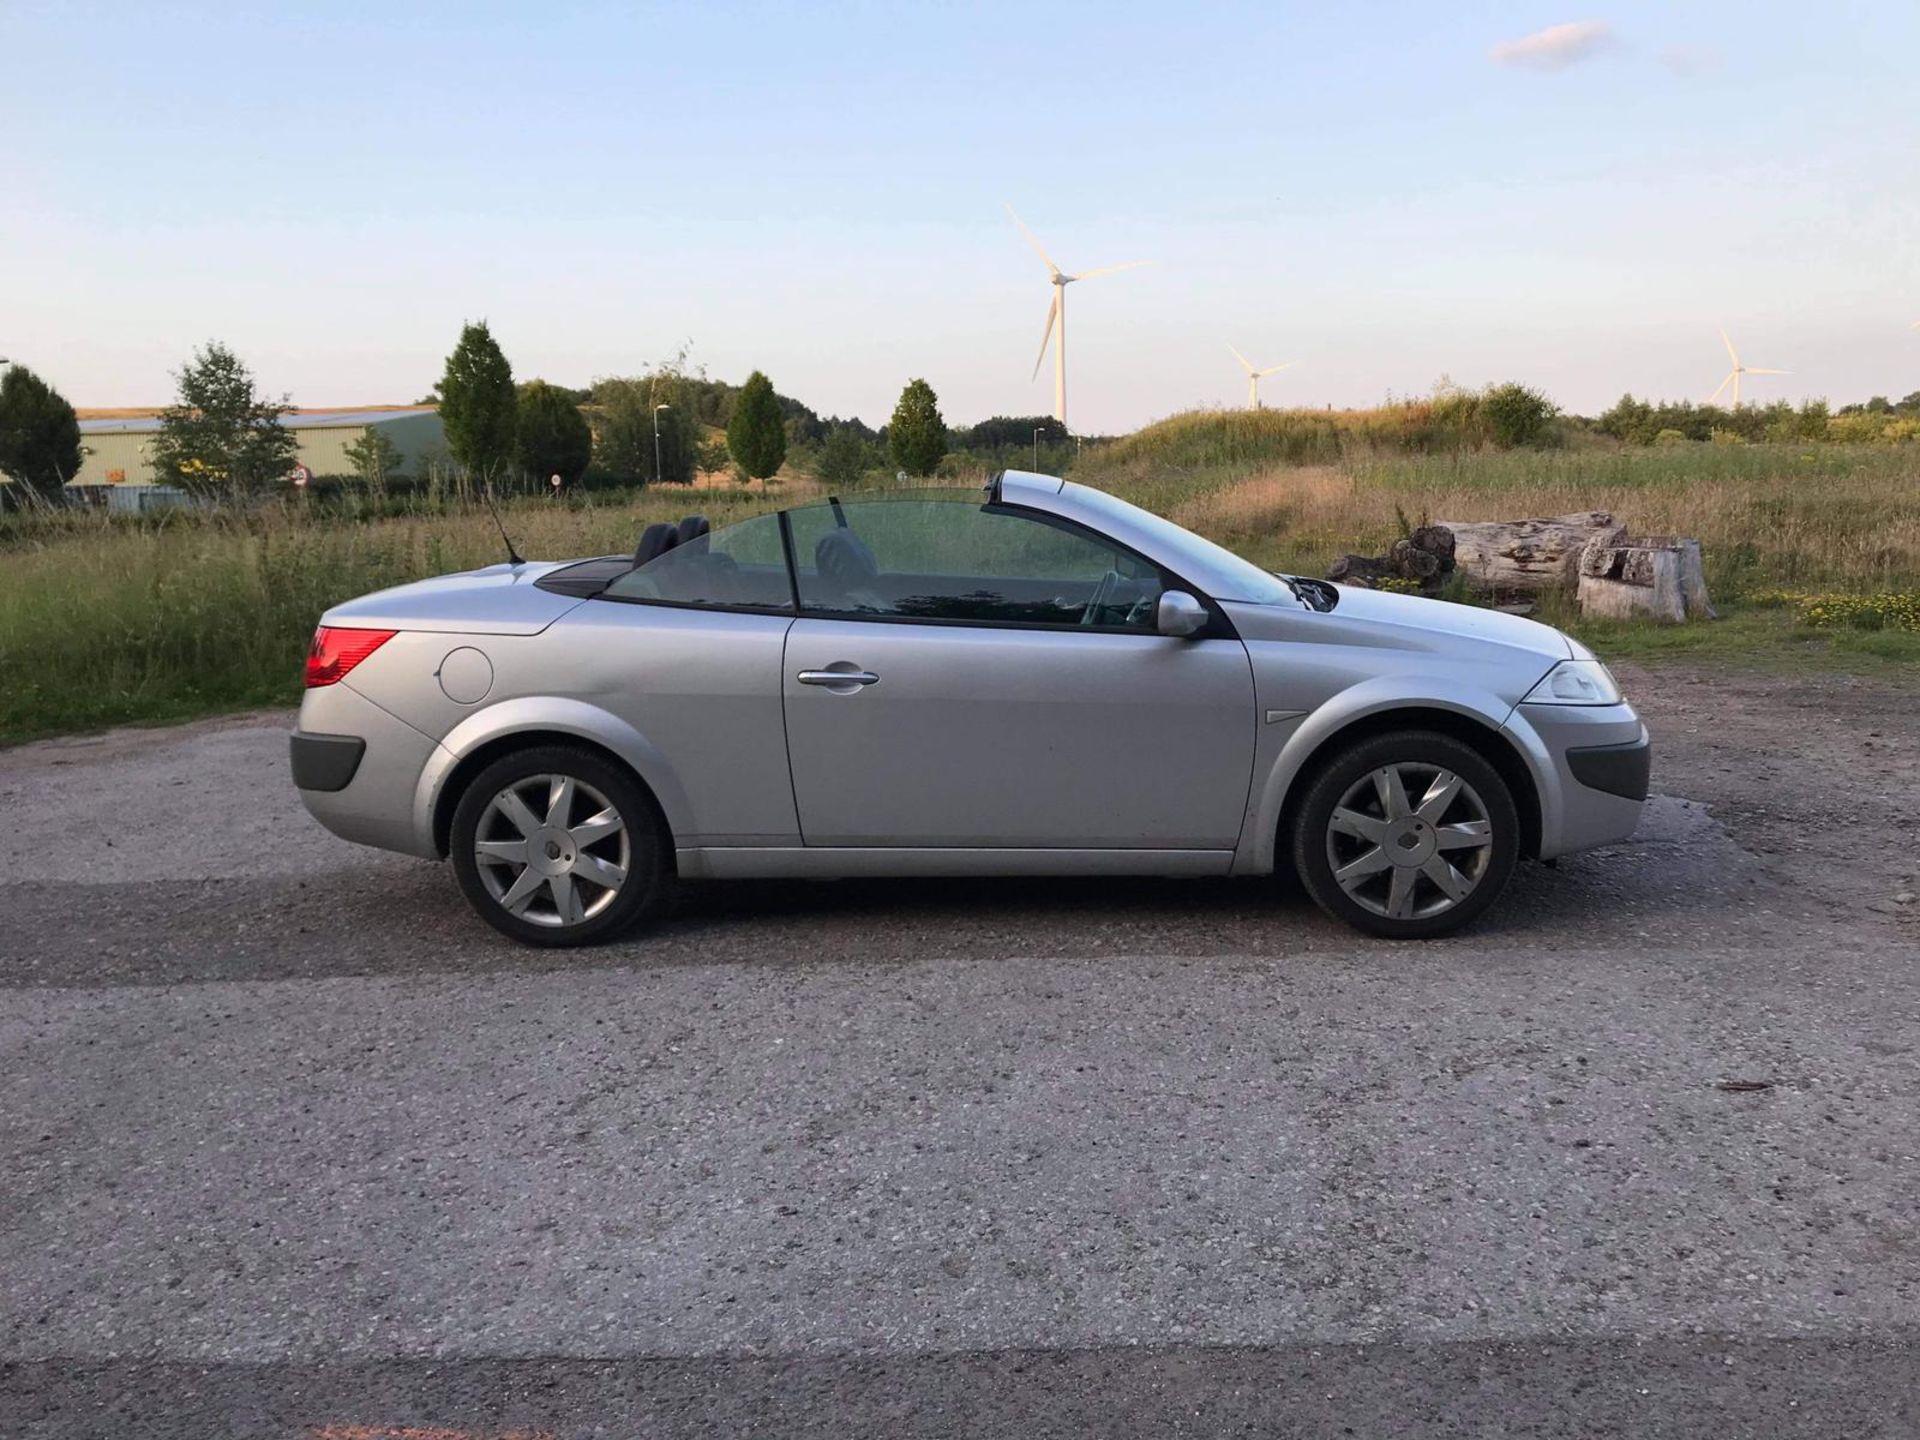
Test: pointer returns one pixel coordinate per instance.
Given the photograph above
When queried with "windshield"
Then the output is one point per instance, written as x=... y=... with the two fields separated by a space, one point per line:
x=1216 y=570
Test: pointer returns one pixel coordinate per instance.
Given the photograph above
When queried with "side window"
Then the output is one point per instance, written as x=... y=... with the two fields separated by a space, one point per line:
x=743 y=564
x=953 y=560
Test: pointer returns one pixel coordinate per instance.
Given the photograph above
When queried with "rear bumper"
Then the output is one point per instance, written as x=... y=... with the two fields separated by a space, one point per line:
x=324 y=762
x=358 y=768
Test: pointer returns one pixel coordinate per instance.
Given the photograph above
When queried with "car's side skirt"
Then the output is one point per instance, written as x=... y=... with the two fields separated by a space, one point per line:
x=739 y=862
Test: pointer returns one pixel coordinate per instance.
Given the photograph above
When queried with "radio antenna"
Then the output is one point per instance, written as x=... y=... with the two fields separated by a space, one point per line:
x=513 y=555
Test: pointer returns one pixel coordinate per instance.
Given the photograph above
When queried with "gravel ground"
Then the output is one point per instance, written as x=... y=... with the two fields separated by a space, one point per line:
x=297 y=1147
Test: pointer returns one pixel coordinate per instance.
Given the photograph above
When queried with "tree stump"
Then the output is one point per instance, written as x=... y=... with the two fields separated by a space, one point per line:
x=1657 y=577
x=1529 y=557
x=1424 y=556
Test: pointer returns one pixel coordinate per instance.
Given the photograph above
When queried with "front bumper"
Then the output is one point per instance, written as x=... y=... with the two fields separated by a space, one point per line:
x=1592 y=764
x=1622 y=770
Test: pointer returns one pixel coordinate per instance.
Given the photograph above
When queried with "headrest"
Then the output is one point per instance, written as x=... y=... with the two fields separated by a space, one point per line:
x=843 y=558
x=655 y=541
x=693 y=527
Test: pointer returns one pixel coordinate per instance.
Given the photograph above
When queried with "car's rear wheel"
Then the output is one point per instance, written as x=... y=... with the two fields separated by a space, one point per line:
x=1407 y=835
x=555 y=845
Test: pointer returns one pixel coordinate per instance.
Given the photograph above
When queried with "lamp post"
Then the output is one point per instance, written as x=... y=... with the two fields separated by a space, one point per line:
x=657 y=476
x=1036 y=449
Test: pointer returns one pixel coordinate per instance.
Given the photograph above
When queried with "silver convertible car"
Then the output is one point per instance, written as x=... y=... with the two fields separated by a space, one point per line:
x=1042 y=681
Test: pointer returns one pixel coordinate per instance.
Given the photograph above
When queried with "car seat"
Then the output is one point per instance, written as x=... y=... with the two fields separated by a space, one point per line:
x=847 y=572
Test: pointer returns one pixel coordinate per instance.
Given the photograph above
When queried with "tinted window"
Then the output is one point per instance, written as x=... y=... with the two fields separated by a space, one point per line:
x=1215 y=571
x=740 y=565
x=945 y=560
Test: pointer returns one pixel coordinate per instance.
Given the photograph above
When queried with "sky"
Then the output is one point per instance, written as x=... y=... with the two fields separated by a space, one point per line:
x=1384 y=193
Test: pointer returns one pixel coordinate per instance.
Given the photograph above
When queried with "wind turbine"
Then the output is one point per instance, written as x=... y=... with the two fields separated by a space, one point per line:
x=1254 y=376
x=1733 y=375
x=1057 y=311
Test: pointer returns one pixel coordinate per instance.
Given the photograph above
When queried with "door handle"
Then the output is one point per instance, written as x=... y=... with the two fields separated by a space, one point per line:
x=838 y=677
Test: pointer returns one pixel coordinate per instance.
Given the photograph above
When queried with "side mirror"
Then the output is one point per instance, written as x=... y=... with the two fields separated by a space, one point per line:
x=1180 y=615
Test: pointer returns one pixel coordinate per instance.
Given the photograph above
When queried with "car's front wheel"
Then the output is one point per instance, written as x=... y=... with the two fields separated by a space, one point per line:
x=1407 y=835
x=556 y=845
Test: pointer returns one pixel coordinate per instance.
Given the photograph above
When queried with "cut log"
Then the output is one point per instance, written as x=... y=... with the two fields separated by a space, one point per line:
x=1657 y=577
x=1529 y=556
x=1424 y=556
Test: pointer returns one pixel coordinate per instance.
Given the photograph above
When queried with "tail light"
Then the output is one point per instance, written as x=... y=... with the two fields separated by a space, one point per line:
x=336 y=650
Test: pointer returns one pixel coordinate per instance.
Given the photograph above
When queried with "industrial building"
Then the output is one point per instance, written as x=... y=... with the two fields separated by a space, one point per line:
x=116 y=449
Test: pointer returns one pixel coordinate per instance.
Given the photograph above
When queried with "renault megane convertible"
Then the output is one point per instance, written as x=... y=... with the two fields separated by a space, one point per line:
x=1044 y=680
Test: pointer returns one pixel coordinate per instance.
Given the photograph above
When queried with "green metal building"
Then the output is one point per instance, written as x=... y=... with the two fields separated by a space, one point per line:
x=118 y=451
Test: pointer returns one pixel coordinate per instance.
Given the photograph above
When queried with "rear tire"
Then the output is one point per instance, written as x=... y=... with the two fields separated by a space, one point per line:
x=1408 y=835
x=555 y=845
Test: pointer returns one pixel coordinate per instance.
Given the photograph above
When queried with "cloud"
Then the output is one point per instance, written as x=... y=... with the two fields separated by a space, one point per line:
x=1557 y=46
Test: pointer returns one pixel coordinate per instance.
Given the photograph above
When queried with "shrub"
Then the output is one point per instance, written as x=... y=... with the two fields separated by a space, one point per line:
x=845 y=458
x=1516 y=415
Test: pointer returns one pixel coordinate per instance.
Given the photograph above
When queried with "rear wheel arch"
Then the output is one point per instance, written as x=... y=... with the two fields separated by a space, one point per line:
x=1492 y=746
x=482 y=755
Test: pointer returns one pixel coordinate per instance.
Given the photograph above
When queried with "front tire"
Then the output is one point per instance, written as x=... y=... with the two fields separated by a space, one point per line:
x=1408 y=835
x=557 y=846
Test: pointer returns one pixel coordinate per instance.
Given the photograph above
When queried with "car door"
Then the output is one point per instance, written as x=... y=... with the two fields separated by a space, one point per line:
x=968 y=675
x=687 y=649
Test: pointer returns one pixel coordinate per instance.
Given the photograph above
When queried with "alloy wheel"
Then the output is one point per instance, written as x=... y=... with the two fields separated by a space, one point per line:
x=1409 y=841
x=552 y=850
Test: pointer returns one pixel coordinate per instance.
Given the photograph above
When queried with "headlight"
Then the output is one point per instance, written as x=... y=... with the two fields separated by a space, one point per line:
x=1576 y=682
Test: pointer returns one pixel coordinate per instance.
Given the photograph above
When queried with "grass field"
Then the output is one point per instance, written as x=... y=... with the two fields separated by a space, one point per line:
x=104 y=622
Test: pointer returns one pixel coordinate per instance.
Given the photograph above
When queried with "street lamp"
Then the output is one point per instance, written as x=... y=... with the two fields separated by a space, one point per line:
x=657 y=476
x=1036 y=449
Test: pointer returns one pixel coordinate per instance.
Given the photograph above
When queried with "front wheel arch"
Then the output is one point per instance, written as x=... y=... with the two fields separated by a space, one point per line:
x=471 y=764
x=1493 y=747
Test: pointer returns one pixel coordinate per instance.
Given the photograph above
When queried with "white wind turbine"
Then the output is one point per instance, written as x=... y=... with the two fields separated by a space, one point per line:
x=1733 y=375
x=1254 y=376
x=1057 y=312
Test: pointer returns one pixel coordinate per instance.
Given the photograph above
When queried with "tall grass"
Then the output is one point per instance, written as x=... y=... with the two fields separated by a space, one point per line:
x=1846 y=516
x=105 y=620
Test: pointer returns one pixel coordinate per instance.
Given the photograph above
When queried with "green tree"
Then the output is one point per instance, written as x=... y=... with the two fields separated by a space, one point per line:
x=219 y=433
x=845 y=458
x=624 y=420
x=39 y=438
x=757 y=433
x=917 y=435
x=375 y=458
x=1516 y=415
x=553 y=437
x=477 y=403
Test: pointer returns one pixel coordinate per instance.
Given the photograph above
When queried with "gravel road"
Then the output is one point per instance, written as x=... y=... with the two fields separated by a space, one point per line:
x=296 y=1147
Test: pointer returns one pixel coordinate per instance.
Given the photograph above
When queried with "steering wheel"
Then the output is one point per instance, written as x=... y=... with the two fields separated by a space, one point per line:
x=1101 y=593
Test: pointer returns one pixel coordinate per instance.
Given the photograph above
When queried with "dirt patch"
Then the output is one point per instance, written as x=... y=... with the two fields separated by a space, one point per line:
x=1816 y=775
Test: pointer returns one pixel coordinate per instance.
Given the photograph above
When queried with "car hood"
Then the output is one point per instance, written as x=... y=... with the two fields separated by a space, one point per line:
x=499 y=600
x=1380 y=620
x=1446 y=619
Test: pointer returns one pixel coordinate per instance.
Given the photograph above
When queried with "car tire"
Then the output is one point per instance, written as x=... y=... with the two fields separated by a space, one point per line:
x=1408 y=835
x=585 y=875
